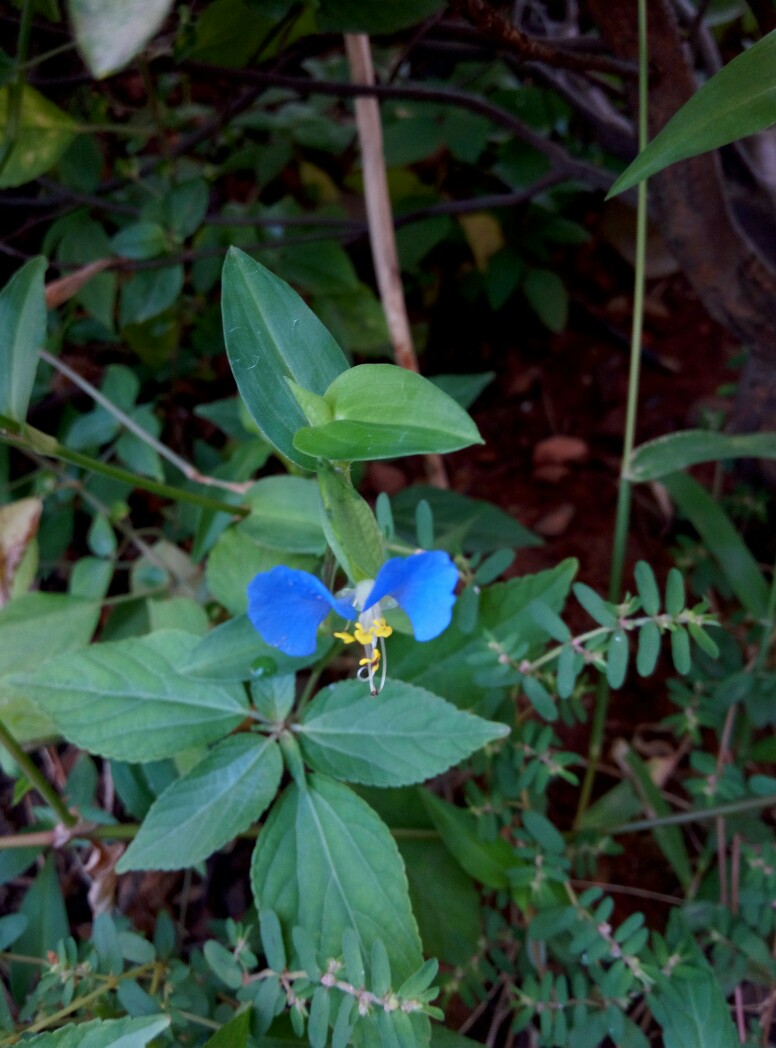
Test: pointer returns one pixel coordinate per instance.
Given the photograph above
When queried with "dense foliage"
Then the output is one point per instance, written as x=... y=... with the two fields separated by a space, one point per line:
x=285 y=764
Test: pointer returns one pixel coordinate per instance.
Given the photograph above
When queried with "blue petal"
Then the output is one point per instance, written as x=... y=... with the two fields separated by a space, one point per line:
x=287 y=607
x=422 y=585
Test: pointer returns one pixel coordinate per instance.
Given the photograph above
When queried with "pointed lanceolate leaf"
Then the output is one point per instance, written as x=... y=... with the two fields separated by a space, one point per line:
x=129 y=701
x=657 y=458
x=271 y=336
x=404 y=736
x=738 y=101
x=205 y=809
x=384 y=411
x=22 y=331
x=324 y=861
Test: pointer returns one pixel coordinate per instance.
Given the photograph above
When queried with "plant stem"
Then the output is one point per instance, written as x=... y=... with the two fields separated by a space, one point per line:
x=683 y=817
x=768 y=624
x=26 y=438
x=622 y=517
x=36 y=777
x=190 y=472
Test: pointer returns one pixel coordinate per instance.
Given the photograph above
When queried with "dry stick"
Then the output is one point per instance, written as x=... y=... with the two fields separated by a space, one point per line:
x=190 y=472
x=380 y=218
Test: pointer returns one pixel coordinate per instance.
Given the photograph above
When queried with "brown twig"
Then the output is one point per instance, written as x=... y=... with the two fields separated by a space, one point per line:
x=489 y=22
x=385 y=256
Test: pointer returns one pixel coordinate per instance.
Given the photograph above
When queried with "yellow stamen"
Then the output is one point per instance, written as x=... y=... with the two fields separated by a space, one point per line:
x=363 y=636
x=346 y=638
x=380 y=628
x=371 y=660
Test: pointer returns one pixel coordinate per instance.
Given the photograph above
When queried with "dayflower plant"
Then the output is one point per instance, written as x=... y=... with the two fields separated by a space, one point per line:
x=287 y=606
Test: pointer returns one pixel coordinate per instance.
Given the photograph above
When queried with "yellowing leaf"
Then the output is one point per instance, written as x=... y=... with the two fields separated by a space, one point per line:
x=44 y=133
x=484 y=235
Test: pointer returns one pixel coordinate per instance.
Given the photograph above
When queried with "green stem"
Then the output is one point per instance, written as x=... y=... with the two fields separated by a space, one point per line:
x=683 y=817
x=36 y=777
x=49 y=447
x=77 y=1003
x=16 y=87
x=622 y=517
x=768 y=624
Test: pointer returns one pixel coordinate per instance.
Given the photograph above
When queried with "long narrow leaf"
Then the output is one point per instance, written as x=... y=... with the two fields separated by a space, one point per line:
x=721 y=538
x=738 y=101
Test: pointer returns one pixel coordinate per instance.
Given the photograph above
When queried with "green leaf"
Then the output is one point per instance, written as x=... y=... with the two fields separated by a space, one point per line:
x=486 y=860
x=326 y=862
x=128 y=700
x=383 y=411
x=149 y=293
x=22 y=333
x=140 y=240
x=722 y=540
x=668 y=838
x=444 y=665
x=108 y=1033
x=596 y=607
x=680 y=650
x=233 y=1034
x=234 y=651
x=271 y=335
x=205 y=809
x=447 y=905
x=739 y=100
x=405 y=736
x=43 y=135
x=649 y=649
x=460 y=523
x=66 y=623
x=464 y=389
x=647 y=587
x=547 y=296
x=688 y=1008
x=617 y=658
x=352 y=16
x=657 y=458
x=675 y=595
x=47 y=923
x=11 y=927
x=550 y=621
x=286 y=514
x=109 y=33
x=350 y=525
x=272 y=939
x=318 y=1022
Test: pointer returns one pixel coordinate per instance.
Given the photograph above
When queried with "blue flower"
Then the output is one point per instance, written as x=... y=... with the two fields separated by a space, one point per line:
x=287 y=606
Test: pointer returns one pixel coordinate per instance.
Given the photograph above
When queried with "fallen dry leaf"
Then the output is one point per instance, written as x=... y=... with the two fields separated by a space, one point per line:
x=18 y=527
x=59 y=291
x=556 y=521
x=558 y=450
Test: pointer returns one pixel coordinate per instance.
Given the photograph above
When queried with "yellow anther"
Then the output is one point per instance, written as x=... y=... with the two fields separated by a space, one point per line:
x=380 y=628
x=363 y=636
x=346 y=638
x=371 y=660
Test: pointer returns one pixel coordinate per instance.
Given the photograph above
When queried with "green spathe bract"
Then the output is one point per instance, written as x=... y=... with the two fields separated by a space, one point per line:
x=383 y=411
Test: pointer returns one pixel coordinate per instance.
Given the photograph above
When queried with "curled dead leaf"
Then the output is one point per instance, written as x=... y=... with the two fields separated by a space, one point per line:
x=558 y=450
x=59 y=291
x=100 y=866
x=18 y=527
